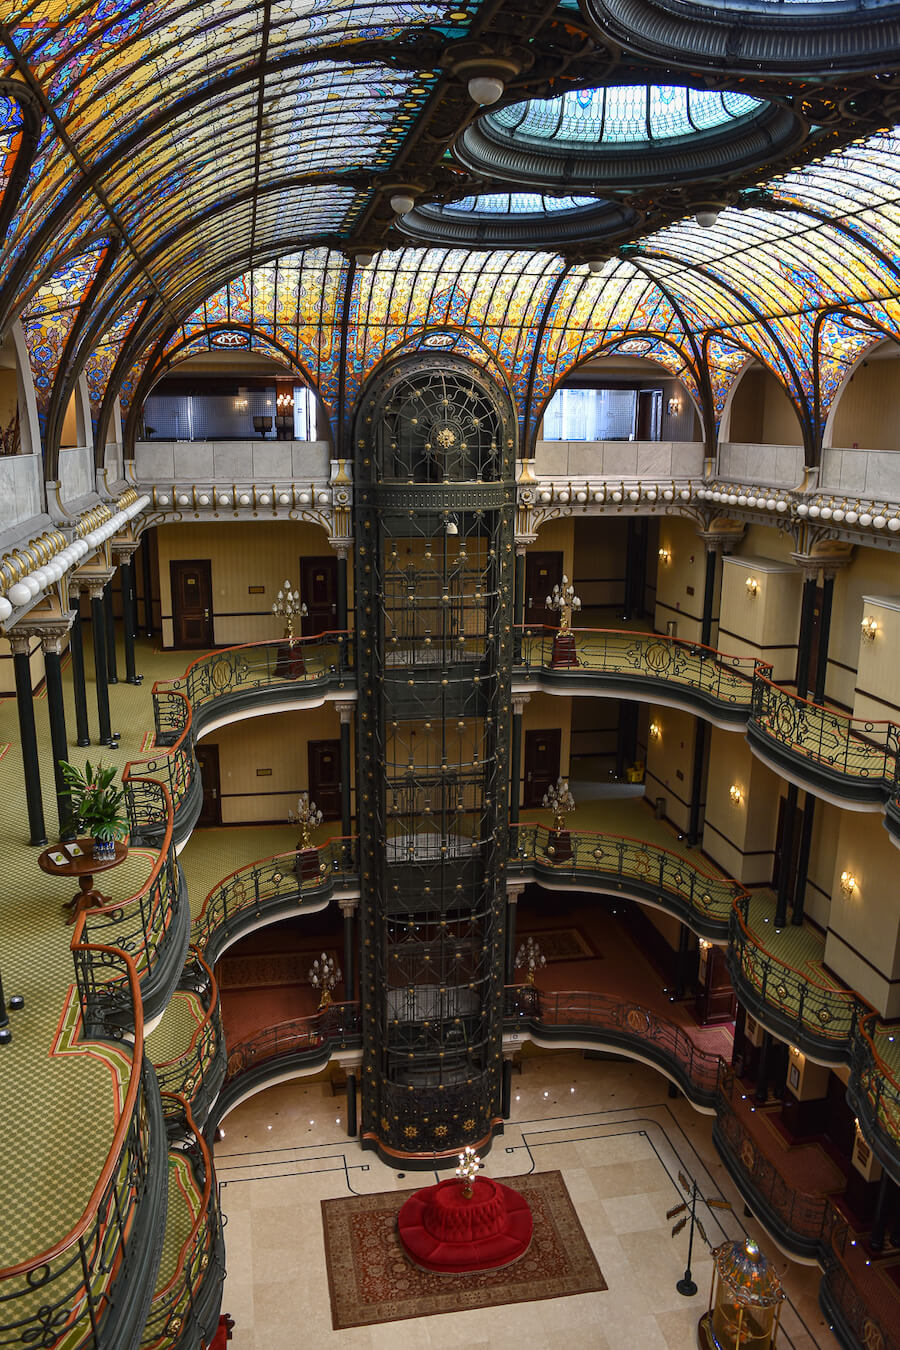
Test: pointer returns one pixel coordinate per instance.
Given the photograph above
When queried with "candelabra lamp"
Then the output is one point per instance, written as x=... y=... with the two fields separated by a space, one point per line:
x=745 y=1300
x=530 y=958
x=563 y=601
x=467 y=1171
x=290 y=663
x=308 y=817
x=324 y=974
x=559 y=800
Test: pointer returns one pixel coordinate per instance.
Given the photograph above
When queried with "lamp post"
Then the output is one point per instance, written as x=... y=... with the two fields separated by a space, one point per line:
x=531 y=958
x=308 y=817
x=324 y=974
x=563 y=601
x=559 y=800
x=289 y=606
x=688 y=1210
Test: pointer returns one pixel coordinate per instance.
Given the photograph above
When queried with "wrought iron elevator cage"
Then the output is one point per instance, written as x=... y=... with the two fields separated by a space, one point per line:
x=434 y=468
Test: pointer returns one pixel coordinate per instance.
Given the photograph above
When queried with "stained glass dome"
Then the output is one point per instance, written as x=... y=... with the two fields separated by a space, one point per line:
x=623 y=115
x=517 y=204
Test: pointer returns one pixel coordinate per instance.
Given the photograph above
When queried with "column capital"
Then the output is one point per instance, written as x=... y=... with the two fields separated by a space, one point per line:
x=513 y=890
x=349 y=907
x=518 y=703
x=95 y=583
x=51 y=631
x=345 y=710
x=341 y=547
x=722 y=535
x=124 y=552
x=827 y=555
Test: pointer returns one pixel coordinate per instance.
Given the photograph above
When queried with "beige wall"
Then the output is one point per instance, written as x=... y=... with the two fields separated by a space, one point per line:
x=871 y=571
x=242 y=555
x=740 y=837
x=558 y=536
x=877 y=693
x=595 y=723
x=862 y=945
x=765 y=625
x=761 y=412
x=278 y=742
x=680 y=583
x=822 y=858
x=598 y=567
x=543 y=711
x=69 y=436
x=670 y=762
x=866 y=413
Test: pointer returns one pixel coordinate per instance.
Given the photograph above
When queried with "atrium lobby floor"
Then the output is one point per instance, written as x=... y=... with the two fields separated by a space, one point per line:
x=607 y=1125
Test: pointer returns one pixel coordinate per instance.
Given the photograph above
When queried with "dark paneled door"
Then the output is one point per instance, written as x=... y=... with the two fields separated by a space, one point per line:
x=541 y=763
x=543 y=571
x=192 y=603
x=208 y=760
x=324 y=759
x=318 y=590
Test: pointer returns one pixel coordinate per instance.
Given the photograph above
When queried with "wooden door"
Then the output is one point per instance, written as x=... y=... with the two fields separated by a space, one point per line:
x=192 y=603
x=208 y=760
x=324 y=762
x=318 y=591
x=543 y=571
x=541 y=763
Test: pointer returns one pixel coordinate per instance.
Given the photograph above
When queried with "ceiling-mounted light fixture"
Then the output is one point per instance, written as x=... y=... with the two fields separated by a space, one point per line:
x=595 y=264
x=364 y=259
x=486 y=77
x=402 y=201
x=707 y=213
x=485 y=89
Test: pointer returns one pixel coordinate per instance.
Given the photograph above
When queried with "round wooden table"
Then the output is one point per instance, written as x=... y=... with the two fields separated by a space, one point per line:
x=82 y=867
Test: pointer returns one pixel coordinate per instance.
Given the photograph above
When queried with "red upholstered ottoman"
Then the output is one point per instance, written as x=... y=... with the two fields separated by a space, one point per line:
x=443 y=1231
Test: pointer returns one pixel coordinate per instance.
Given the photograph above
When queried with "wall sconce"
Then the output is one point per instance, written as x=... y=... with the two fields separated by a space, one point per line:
x=869 y=627
x=752 y=587
x=673 y=407
x=736 y=794
x=665 y=555
x=655 y=730
x=848 y=883
x=705 y=945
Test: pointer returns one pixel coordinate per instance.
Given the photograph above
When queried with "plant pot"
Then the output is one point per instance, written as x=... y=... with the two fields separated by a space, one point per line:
x=104 y=848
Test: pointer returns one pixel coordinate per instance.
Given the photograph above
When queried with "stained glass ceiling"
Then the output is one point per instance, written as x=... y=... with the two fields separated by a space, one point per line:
x=623 y=114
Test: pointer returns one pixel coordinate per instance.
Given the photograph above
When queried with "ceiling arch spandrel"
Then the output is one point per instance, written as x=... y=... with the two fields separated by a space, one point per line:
x=51 y=315
x=724 y=363
x=12 y=122
x=841 y=339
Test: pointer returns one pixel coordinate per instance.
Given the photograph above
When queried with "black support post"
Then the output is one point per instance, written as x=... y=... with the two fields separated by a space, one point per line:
x=349 y=912
x=806 y=829
x=56 y=713
x=342 y=586
x=79 y=690
x=105 y=734
x=683 y=963
x=147 y=569
x=351 y=1105
x=346 y=765
x=28 y=738
x=762 y=1072
x=511 y=902
x=882 y=1210
x=129 y=619
x=786 y=872
x=709 y=591
x=506 y=1089
x=824 y=635
x=804 y=640
x=695 y=819
x=515 y=775
x=112 y=673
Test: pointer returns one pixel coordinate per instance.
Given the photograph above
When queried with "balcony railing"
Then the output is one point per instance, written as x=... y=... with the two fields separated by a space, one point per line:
x=271 y=884
x=335 y=1028
x=184 y=1310
x=235 y=673
x=674 y=882
x=68 y=1293
x=648 y=658
x=840 y=746
x=197 y=1073
x=143 y=927
x=617 y=1022
x=816 y=1017
x=175 y=768
x=874 y=1094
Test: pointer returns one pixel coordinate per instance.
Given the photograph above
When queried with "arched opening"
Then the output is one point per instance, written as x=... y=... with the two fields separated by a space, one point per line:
x=864 y=415
x=20 y=444
x=760 y=414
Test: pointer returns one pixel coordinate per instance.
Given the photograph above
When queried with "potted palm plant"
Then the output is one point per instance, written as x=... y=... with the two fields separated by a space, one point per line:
x=96 y=804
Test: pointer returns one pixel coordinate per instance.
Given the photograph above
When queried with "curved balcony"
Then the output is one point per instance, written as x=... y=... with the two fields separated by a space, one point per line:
x=151 y=928
x=185 y=1306
x=796 y=1004
x=616 y=864
x=229 y=683
x=188 y=1046
x=848 y=758
x=271 y=889
x=640 y=665
x=597 y=1020
x=176 y=768
x=874 y=1090
x=287 y=1050
x=92 y=1288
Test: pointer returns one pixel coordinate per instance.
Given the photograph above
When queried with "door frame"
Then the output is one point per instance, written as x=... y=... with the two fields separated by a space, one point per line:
x=550 y=733
x=203 y=565
x=209 y=751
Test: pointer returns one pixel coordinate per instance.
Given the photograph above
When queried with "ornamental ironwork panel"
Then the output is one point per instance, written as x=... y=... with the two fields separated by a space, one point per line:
x=434 y=529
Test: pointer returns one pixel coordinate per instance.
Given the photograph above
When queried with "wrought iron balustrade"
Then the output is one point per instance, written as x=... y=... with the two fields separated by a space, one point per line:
x=337 y=1026
x=805 y=1010
x=174 y=767
x=197 y=1073
x=64 y=1294
x=675 y=881
x=874 y=1093
x=138 y=926
x=273 y=881
x=179 y=1314
x=722 y=678
x=852 y=747
x=622 y=1023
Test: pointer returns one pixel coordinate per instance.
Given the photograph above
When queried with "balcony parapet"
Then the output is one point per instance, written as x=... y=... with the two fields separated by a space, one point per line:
x=185 y=1308
x=175 y=768
x=151 y=928
x=92 y=1289
x=598 y=1019
x=874 y=1089
x=868 y=520
x=273 y=888
x=196 y=1073
x=616 y=864
x=818 y=1018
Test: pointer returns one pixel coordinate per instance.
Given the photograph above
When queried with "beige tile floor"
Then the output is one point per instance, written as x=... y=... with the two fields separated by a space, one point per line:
x=607 y=1125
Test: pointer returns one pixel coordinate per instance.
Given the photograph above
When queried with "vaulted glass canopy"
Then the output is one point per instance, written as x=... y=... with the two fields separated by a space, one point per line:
x=623 y=115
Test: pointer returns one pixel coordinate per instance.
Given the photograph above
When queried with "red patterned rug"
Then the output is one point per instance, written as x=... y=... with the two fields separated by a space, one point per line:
x=371 y=1280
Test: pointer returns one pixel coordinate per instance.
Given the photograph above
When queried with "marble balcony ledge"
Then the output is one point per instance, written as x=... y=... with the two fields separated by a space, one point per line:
x=846 y=516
